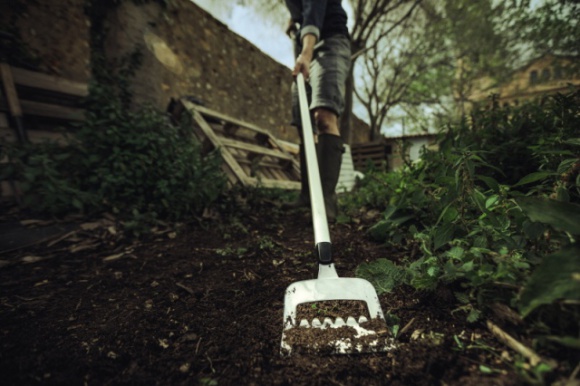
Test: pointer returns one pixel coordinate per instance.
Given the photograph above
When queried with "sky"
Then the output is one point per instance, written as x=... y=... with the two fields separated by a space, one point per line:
x=267 y=36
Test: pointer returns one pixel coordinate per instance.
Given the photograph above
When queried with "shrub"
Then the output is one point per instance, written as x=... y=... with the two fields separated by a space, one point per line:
x=480 y=226
x=133 y=163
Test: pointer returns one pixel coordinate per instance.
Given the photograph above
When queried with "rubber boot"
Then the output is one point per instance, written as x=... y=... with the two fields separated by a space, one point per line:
x=303 y=200
x=329 y=152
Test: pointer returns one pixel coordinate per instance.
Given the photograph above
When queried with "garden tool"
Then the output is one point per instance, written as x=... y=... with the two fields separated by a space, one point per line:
x=328 y=286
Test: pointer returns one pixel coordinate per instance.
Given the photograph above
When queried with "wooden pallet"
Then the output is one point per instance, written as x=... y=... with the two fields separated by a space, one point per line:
x=31 y=105
x=251 y=155
x=28 y=94
x=376 y=153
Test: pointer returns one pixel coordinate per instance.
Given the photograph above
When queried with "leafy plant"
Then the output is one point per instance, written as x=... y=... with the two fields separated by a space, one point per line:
x=482 y=216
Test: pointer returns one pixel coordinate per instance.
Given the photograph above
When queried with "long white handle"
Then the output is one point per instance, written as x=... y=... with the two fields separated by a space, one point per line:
x=321 y=234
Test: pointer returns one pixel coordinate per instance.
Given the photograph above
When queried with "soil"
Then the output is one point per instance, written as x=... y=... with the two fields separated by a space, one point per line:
x=202 y=303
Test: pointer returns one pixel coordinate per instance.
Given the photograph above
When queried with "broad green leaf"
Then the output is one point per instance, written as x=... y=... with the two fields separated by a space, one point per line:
x=490 y=182
x=557 y=277
x=448 y=214
x=534 y=177
x=467 y=267
x=562 y=194
x=462 y=297
x=380 y=231
x=442 y=235
x=479 y=199
x=473 y=315
x=567 y=341
x=432 y=271
x=491 y=201
x=382 y=273
x=456 y=253
x=564 y=216
x=485 y=369
x=567 y=165
x=573 y=141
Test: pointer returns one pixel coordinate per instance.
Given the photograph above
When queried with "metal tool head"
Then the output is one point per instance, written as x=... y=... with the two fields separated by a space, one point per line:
x=356 y=334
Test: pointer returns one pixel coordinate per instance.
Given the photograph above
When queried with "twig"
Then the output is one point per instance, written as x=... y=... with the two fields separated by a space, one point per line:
x=210 y=363
x=407 y=327
x=197 y=346
x=189 y=290
x=66 y=236
x=508 y=340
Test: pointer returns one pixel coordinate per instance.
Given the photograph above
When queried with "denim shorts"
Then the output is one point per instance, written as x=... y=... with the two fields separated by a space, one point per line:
x=328 y=74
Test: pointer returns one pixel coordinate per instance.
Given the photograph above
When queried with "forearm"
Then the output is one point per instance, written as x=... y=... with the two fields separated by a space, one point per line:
x=308 y=43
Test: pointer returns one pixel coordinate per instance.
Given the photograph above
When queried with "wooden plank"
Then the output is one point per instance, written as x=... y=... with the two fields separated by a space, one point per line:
x=278 y=174
x=289 y=147
x=53 y=111
x=48 y=110
x=10 y=90
x=267 y=174
x=49 y=82
x=208 y=132
x=214 y=114
x=255 y=149
x=291 y=185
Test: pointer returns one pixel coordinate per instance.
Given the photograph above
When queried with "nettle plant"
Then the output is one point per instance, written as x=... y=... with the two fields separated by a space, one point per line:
x=463 y=226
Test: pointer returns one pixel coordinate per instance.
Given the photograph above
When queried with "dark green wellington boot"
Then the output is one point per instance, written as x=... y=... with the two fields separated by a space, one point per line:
x=329 y=151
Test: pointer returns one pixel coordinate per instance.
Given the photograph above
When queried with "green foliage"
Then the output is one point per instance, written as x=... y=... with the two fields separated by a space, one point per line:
x=563 y=216
x=525 y=141
x=557 y=277
x=478 y=218
x=135 y=164
x=383 y=274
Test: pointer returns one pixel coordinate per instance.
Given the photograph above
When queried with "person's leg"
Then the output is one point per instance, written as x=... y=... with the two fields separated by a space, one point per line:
x=328 y=79
x=329 y=150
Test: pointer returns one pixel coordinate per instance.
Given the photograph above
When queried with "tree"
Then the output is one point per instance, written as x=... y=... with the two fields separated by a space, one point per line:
x=552 y=27
x=433 y=55
x=407 y=70
x=374 y=20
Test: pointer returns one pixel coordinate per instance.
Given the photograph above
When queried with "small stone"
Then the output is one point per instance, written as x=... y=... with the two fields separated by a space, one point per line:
x=184 y=368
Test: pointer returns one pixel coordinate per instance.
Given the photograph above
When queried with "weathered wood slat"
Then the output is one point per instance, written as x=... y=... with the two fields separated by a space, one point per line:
x=214 y=114
x=274 y=183
x=255 y=149
x=207 y=131
x=9 y=90
x=49 y=82
x=48 y=110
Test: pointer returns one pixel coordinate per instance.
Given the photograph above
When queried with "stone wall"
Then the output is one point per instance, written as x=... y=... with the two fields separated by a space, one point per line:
x=54 y=36
x=187 y=52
